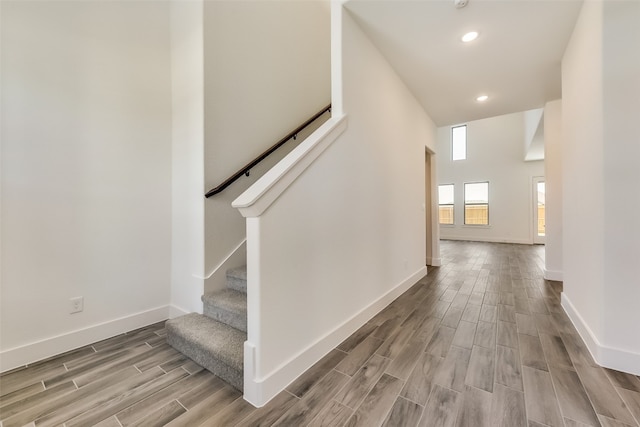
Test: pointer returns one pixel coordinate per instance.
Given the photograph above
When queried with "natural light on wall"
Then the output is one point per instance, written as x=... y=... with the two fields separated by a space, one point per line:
x=459 y=142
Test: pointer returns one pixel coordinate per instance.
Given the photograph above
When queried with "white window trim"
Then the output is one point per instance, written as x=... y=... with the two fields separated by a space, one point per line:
x=464 y=205
x=447 y=204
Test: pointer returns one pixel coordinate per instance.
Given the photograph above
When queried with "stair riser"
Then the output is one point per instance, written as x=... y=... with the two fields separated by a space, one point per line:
x=237 y=283
x=234 y=320
x=203 y=358
x=214 y=339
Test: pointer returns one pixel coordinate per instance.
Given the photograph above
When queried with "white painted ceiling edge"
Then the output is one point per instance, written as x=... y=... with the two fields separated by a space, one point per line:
x=515 y=60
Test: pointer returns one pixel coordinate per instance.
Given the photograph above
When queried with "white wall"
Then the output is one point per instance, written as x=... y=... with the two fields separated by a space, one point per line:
x=86 y=172
x=600 y=107
x=348 y=235
x=582 y=175
x=267 y=70
x=621 y=108
x=495 y=153
x=187 y=78
x=534 y=134
x=553 y=189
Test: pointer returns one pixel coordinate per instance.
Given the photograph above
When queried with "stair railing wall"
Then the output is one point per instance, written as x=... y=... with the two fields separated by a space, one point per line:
x=336 y=231
x=246 y=169
x=225 y=249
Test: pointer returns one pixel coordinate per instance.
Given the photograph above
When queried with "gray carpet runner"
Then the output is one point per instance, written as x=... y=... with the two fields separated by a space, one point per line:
x=215 y=339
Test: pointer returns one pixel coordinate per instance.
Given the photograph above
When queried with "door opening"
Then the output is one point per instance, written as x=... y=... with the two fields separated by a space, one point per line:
x=538 y=210
x=427 y=208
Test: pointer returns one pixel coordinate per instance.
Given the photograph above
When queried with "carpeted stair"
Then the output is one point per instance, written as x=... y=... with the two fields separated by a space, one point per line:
x=215 y=339
x=237 y=279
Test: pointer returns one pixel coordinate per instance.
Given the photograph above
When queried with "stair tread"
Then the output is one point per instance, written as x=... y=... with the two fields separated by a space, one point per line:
x=221 y=341
x=227 y=299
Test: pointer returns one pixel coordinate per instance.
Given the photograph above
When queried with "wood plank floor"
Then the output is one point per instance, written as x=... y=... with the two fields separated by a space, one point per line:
x=480 y=341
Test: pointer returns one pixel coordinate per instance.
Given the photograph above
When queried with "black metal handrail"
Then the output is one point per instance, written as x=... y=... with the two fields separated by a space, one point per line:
x=246 y=169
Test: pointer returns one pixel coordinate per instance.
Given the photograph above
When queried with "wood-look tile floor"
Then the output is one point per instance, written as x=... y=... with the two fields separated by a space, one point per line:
x=480 y=341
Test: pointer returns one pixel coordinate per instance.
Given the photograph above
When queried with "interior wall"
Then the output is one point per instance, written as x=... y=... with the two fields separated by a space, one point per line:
x=349 y=233
x=582 y=174
x=495 y=153
x=187 y=227
x=532 y=121
x=601 y=88
x=553 y=189
x=86 y=172
x=267 y=70
x=621 y=109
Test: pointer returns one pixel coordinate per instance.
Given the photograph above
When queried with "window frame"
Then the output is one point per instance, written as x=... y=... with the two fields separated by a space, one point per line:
x=453 y=159
x=464 y=189
x=452 y=204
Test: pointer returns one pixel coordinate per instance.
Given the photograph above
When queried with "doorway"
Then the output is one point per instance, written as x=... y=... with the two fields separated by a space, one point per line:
x=539 y=224
x=427 y=207
x=431 y=210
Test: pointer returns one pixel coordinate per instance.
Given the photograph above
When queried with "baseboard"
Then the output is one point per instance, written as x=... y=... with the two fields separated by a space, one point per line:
x=553 y=275
x=581 y=326
x=434 y=262
x=486 y=239
x=608 y=357
x=39 y=350
x=258 y=391
x=175 y=311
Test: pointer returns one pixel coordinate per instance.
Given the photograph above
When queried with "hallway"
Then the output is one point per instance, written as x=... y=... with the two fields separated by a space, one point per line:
x=480 y=341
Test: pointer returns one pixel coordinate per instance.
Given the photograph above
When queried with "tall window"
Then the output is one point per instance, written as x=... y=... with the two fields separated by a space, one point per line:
x=476 y=203
x=541 y=208
x=459 y=142
x=445 y=201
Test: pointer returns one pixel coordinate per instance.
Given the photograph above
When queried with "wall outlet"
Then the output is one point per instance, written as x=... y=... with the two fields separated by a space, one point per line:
x=77 y=305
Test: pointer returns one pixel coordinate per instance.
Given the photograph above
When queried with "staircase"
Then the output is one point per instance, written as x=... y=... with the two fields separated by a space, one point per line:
x=215 y=339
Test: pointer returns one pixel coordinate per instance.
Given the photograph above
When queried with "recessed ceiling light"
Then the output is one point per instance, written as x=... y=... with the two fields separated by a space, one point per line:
x=482 y=98
x=470 y=36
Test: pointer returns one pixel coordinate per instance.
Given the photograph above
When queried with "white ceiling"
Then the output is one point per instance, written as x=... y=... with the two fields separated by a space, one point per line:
x=516 y=59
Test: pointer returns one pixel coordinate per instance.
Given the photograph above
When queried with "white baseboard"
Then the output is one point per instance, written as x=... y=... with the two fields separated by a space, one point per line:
x=609 y=357
x=553 y=275
x=258 y=391
x=175 y=311
x=486 y=239
x=39 y=350
x=434 y=262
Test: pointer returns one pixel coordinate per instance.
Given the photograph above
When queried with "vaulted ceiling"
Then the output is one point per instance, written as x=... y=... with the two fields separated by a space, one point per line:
x=516 y=60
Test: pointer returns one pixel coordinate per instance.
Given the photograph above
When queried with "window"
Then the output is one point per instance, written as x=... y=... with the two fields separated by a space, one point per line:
x=445 y=201
x=541 y=208
x=459 y=142
x=476 y=203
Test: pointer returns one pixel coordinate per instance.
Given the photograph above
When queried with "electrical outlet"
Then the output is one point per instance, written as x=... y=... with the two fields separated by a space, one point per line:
x=77 y=305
